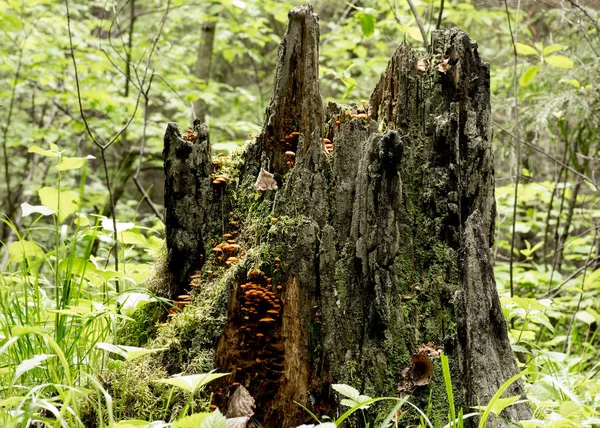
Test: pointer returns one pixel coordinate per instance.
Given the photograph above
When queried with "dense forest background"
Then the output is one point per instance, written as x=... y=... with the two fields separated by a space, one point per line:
x=86 y=91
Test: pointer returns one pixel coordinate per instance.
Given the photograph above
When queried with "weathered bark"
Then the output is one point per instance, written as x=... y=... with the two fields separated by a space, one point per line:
x=193 y=212
x=381 y=247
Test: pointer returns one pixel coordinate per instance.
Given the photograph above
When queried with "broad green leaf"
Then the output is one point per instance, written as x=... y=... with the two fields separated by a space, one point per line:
x=132 y=423
x=415 y=33
x=13 y=21
x=67 y=199
x=30 y=364
x=133 y=237
x=367 y=23
x=127 y=352
x=130 y=300
x=551 y=49
x=353 y=397
x=585 y=317
x=77 y=266
x=523 y=49
x=192 y=383
x=527 y=77
x=39 y=209
x=67 y=163
x=560 y=61
x=573 y=82
x=214 y=420
x=496 y=397
x=529 y=304
x=229 y=55
x=191 y=421
x=540 y=318
x=107 y=224
x=346 y=390
x=22 y=250
x=40 y=151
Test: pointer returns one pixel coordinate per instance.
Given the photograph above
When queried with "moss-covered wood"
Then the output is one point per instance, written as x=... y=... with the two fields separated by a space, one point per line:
x=363 y=257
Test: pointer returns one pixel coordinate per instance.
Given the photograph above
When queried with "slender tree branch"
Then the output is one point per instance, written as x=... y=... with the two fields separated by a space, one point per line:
x=105 y=146
x=514 y=38
x=553 y=292
x=568 y=341
x=549 y=156
x=439 y=20
x=587 y=14
x=141 y=156
x=419 y=23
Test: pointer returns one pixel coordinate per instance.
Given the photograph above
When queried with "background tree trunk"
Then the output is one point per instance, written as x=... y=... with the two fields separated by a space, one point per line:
x=203 y=62
x=364 y=257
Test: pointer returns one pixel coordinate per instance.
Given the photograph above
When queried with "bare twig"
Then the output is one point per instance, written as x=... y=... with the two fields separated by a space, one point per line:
x=439 y=20
x=549 y=156
x=554 y=291
x=587 y=15
x=141 y=155
x=419 y=23
x=514 y=38
x=339 y=21
x=568 y=341
x=99 y=144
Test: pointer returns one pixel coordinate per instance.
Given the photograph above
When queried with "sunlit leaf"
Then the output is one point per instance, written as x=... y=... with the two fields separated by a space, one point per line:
x=560 y=61
x=573 y=82
x=585 y=317
x=191 y=421
x=415 y=33
x=346 y=390
x=40 y=151
x=128 y=352
x=367 y=23
x=30 y=364
x=24 y=249
x=527 y=77
x=66 y=199
x=551 y=49
x=214 y=420
x=192 y=383
x=523 y=49
x=107 y=224
x=67 y=163
x=33 y=209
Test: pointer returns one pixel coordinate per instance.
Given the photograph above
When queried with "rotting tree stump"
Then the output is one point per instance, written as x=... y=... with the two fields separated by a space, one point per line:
x=368 y=253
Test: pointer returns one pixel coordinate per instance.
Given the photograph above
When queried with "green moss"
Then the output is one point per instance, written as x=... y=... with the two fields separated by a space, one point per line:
x=142 y=325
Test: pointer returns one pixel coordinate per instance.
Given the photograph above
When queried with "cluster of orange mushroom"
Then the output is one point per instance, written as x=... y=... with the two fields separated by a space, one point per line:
x=257 y=358
x=290 y=141
x=290 y=156
x=191 y=135
x=328 y=145
x=259 y=305
x=181 y=302
x=361 y=113
x=225 y=251
x=219 y=179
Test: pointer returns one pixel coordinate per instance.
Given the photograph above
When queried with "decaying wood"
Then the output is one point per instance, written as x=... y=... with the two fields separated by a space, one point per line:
x=382 y=244
x=193 y=204
x=484 y=349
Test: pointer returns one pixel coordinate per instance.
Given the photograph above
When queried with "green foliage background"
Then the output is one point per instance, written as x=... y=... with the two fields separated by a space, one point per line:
x=65 y=267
